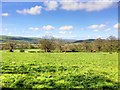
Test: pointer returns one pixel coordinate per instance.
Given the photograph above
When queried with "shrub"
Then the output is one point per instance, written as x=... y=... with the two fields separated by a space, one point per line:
x=40 y=51
x=32 y=51
x=21 y=50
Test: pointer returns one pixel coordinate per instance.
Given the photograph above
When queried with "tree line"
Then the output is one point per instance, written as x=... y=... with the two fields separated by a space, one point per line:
x=110 y=44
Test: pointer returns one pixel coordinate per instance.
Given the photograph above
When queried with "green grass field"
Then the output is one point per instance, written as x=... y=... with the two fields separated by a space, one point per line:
x=59 y=70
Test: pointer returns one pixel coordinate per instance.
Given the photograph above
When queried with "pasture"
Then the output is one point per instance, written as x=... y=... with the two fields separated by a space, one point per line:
x=59 y=70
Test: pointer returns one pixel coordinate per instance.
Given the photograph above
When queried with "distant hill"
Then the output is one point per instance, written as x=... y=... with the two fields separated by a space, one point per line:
x=79 y=41
x=4 y=39
x=33 y=40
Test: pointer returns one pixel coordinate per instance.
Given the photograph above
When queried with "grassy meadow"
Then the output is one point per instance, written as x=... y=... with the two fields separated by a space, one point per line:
x=59 y=70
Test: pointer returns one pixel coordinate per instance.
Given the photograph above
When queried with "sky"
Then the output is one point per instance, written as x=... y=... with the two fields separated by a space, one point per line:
x=60 y=19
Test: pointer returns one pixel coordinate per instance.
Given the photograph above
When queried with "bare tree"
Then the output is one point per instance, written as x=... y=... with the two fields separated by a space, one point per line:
x=47 y=44
x=86 y=45
x=12 y=45
x=98 y=44
x=22 y=45
x=59 y=44
x=111 y=43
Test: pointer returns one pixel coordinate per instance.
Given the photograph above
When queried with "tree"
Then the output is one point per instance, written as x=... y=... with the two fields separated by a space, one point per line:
x=12 y=45
x=4 y=46
x=22 y=45
x=59 y=44
x=47 y=44
x=111 y=43
x=98 y=44
x=86 y=45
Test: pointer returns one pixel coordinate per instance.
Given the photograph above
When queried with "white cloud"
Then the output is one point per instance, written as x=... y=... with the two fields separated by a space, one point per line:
x=9 y=33
x=33 y=11
x=4 y=14
x=97 y=26
x=102 y=25
x=93 y=26
x=96 y=30
x=98 y=36
x=34 y=28
x=117 y=26
x=108 y=29
x=88 y=36
x=87 y=6
x=46 y=32
x=66 y=28
x=48 y=27
x=62 y=32
x=65 y=32
x=51 y=5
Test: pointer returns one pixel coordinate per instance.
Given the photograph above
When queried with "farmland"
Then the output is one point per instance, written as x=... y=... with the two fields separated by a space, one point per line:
x=59 y=70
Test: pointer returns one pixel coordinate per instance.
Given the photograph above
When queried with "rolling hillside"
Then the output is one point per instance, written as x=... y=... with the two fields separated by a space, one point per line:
x=4 y=39
x=33 y=40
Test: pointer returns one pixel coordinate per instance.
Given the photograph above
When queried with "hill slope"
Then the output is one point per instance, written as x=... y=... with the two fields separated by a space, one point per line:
x=33 y=40
x=4 y=39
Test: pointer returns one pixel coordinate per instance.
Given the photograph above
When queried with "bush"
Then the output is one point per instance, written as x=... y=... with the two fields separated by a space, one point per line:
x=22 y=50
x=55 y=51
x=40 y=51
x=71 y=51
x=32 y=51
x=74 y=50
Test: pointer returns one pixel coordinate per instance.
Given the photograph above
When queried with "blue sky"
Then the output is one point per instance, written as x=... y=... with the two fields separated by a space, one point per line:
x=68 y=20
